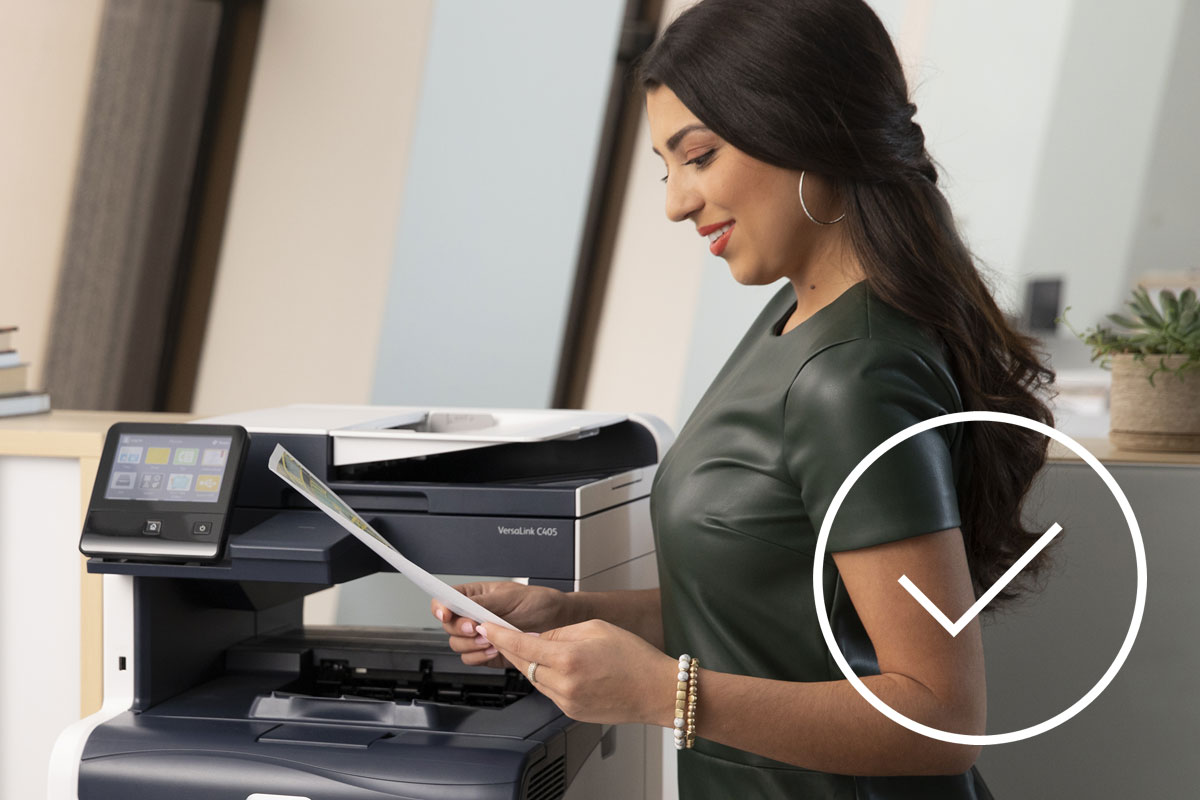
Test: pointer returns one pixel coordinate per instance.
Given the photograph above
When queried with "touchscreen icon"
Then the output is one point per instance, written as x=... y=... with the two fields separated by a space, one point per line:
x=151 y=480
x=186 y=456
x=158 y=455
x=215 y=458
x=208 y=483
x=123 y=480
x=129 y=455
x=179 y=482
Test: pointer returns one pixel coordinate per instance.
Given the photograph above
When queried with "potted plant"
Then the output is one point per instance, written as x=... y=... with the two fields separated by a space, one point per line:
x=1155 y=361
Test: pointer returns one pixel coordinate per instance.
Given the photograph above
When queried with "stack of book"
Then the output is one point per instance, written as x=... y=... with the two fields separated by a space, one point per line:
x=15 y=395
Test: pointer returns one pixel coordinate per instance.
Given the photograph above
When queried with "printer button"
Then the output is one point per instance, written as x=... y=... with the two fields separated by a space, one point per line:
x=153 y=527
x=202 y=528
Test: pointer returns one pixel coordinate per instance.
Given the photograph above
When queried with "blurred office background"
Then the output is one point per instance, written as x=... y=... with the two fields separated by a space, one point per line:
x=214 y=206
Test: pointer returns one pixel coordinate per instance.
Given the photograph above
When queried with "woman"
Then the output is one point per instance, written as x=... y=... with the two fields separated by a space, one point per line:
x=788 y=140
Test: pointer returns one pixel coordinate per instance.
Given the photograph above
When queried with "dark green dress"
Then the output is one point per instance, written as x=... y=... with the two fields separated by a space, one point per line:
x=740 y=496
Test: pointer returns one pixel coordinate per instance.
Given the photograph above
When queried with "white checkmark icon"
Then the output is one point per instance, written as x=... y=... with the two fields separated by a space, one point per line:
x=955 y=627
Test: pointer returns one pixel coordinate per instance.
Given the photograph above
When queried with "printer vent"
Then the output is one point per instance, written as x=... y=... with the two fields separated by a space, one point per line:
x=549 y=782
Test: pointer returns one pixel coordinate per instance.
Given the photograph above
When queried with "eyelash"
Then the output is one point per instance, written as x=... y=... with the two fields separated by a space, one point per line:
x=701 y=161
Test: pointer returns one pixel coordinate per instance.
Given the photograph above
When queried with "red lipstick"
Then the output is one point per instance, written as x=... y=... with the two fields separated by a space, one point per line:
x=707 y=229
x=718 y=247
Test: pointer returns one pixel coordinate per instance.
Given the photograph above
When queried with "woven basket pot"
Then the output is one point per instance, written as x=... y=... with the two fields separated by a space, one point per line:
x=1162 y=417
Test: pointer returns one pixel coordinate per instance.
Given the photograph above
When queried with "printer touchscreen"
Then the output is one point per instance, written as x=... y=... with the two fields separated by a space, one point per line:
x=164 y=491
x=181 y=469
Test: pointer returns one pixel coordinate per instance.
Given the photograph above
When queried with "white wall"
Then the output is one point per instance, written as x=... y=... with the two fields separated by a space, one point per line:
x=46 y=54
x=305 y=261
x=984 y=85
x=1168 y=236
x=504 y=151
x=648 y=317
x=1098 y=149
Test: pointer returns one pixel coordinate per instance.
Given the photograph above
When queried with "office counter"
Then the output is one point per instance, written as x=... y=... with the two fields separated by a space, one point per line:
x=50 y=631
x=1138 y=738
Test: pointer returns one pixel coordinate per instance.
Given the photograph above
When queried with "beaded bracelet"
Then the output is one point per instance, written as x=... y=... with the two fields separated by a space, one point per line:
x=685 y=702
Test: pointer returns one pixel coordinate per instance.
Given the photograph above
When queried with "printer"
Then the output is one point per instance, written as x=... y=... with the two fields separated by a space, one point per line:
x=215 y=689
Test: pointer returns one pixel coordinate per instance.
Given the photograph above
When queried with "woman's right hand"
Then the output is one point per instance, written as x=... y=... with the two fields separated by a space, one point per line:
x=531 y=608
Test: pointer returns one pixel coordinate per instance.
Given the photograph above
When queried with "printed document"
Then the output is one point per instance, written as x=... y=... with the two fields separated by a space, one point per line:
x=287 y=467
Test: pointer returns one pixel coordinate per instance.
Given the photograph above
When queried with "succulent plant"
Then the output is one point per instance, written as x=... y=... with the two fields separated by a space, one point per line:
x=1173 y=329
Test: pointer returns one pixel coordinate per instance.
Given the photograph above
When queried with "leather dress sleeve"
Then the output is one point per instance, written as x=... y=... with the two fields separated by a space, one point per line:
x=845 y=401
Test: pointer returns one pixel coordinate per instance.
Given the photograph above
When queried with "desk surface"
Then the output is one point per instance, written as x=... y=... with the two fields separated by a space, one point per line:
x=68 y=434
x=1104 y=450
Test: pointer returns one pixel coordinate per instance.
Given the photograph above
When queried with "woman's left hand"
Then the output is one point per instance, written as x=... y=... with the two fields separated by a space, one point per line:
x=594 y=671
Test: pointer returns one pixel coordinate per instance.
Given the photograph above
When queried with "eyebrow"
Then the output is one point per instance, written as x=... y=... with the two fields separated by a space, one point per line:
x=674 y=141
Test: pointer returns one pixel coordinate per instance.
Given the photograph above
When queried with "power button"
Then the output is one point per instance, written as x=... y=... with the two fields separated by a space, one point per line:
x=202 y=528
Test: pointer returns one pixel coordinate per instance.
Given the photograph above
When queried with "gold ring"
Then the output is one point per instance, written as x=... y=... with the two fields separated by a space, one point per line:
x=532 y=671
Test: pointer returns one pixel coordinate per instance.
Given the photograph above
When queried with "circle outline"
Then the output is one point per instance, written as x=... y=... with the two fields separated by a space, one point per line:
x=839 y=497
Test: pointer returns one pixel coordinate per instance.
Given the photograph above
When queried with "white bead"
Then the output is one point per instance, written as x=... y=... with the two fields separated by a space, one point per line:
x=683 y=676
x=685 y=659
x=679 y=722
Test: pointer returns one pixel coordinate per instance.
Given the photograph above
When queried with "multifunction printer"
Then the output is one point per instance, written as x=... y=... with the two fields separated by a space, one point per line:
x=214 y=689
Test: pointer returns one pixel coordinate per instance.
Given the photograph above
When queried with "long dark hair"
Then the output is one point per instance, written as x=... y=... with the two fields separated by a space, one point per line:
x=817 y=85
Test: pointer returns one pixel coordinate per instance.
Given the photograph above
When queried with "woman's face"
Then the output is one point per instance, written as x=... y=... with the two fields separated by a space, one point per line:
x=766 y=235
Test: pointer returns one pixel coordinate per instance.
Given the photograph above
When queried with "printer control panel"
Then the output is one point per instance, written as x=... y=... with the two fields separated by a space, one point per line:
x=164 y=491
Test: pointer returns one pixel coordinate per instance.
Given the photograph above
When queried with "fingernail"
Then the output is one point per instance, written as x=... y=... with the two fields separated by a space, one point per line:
x=482 y=631
x=467 y=627
x=438 y=614
x=491 y=651
x=481 y=640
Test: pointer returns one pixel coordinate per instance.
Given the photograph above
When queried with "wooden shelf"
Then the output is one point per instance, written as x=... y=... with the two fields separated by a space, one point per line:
x=1104 y=450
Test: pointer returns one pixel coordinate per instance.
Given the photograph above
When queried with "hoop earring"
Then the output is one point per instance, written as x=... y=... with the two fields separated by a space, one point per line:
x=809 y=213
